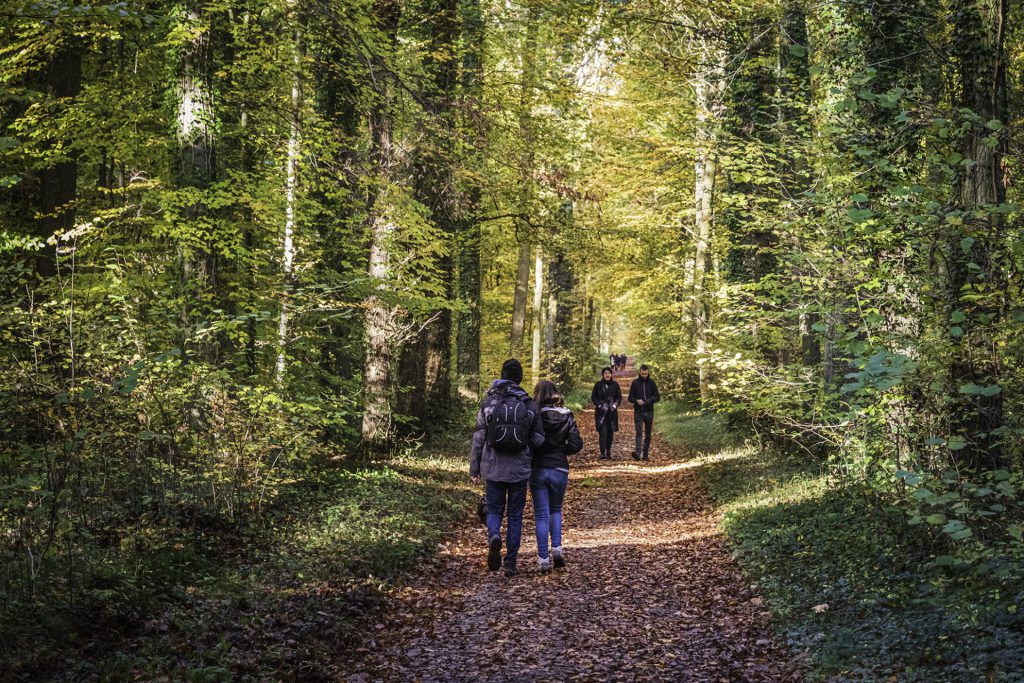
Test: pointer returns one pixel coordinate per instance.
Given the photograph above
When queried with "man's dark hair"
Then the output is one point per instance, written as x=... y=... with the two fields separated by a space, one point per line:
x=604 y=370
x=512 y=370
x=644 y=367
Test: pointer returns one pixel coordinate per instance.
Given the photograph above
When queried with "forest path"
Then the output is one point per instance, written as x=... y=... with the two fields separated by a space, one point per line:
x=649 y=591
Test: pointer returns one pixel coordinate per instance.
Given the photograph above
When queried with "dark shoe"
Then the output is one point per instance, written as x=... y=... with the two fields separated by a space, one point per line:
x=635 y=455
x=605 y=456
x=511 y=571
x=494 y=554
x=645 y=458
x=558 y=559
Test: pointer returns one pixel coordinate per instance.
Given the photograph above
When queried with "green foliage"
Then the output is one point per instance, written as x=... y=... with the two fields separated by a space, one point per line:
x=855 y=587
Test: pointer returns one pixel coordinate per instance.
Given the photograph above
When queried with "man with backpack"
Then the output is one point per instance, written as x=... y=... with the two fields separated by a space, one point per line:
x=508 y=429
x=643 y=394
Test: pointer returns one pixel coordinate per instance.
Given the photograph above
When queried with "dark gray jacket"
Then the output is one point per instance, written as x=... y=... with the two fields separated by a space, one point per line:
x=646 y=390
x=561 y=439
x=505 y=466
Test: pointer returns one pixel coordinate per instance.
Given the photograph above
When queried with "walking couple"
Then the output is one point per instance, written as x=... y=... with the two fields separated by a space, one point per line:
x=521 y=441
x=606 y=397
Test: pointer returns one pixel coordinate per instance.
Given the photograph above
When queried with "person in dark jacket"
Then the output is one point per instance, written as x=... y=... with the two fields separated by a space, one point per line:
x=643 y=394
x=606 y=397
x=550 y=476
x=506 y=472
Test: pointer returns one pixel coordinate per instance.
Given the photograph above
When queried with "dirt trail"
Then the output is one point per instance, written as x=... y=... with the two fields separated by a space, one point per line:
x=649 y=591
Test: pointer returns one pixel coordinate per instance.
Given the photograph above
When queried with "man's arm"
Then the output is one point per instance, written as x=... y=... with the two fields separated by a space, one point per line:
x=655 y=396
x=479 y=436
x=632 y=392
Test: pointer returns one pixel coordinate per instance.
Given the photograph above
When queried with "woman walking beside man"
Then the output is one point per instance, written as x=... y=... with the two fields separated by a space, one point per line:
x=550 y=476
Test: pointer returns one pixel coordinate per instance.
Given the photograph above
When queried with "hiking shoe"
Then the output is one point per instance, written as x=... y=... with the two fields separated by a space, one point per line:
x=511 y=571
x=544 y=564
x=494 y=554
x=635 y=455
x=557 y=558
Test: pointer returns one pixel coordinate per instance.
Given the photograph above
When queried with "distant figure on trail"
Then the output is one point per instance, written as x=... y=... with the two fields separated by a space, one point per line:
x=612 y=358
x=508 y=429
x=643 y=394
x=606 y=397
x=550 y=476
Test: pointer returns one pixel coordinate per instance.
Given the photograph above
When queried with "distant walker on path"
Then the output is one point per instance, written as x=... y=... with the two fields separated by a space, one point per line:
x=643 y=394
x=606 y=397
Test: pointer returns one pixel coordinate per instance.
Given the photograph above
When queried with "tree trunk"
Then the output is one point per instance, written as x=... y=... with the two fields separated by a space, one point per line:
x=468 y=285
x=560 y=280
x=381 y=318
x=526 y=164
x=58 y=183
x=436 y=189
x=291 y=166
x=978 y=37
x=708 y=92
x=195 y=125
x=538 y=314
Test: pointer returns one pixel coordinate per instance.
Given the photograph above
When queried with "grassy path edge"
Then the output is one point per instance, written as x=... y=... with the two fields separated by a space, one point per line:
x=843 y=574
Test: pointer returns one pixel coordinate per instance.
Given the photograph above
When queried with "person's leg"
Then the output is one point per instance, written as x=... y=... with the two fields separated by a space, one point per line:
x=541 y=513
x=495 y=494
x=638 y=419
x=611 y=435
x=516 y=503
x=648 y=425
x=558 y=482
x=605 y=438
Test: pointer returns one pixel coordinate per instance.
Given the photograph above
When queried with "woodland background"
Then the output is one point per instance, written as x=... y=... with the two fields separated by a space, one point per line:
x=255 y=254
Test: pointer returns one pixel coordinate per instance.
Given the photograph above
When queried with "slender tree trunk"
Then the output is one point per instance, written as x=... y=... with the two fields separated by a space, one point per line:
x=381 y=317
x=58 y=183
x=978 y=45
x=291 y=165
x=520 y=297
x=538 y=314
x=708 y=92
x=468 y=285
x=526 y=163
x=195 y=125
x=549 y=318
x=560 y=308
x=437 y=189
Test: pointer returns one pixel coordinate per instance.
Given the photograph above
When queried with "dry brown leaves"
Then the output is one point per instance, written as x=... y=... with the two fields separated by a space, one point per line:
x=650 y=592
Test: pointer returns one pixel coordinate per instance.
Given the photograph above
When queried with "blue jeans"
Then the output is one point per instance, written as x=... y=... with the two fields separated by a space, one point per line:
x=497 y=493
x=547 y=485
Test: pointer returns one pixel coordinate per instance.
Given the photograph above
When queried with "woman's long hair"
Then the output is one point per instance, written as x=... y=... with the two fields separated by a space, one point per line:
x=546 y=394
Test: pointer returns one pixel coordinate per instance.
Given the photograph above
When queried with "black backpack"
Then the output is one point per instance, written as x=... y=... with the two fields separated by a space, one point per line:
x=508 y=425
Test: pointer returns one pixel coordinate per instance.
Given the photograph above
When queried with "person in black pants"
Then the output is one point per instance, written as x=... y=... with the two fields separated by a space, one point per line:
x=643 y=394
x=606 y=397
